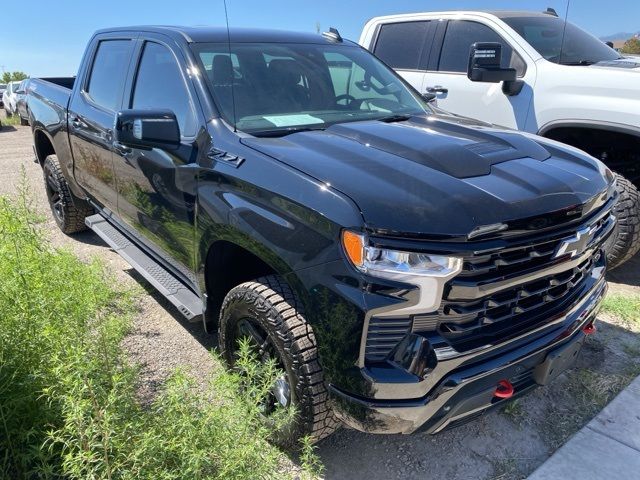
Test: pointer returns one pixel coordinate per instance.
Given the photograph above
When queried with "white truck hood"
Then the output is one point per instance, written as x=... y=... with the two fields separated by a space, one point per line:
x=627 y=63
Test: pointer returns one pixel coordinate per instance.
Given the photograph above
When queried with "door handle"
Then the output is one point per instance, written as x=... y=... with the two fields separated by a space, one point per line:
x=437 y=89
x=121 y=149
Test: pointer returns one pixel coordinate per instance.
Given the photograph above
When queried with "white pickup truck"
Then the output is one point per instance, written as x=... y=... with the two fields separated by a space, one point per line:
x=552 y=79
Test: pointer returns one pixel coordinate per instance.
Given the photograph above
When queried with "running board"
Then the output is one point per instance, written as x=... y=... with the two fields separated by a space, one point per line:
x=185 y=300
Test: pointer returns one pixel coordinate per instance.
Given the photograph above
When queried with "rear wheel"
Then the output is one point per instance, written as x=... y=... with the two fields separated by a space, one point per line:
x=624 y=241
x=68 y=210
x=24 y=122
x=267 y=314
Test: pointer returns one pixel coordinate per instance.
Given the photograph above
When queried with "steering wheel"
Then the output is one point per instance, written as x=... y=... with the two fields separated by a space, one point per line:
x=349 y=98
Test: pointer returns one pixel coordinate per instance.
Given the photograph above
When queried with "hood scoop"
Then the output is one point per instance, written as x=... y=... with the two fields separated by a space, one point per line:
x=443 y=146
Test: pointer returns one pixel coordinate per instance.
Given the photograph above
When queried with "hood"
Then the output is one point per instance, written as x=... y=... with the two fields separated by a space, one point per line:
x=627 y=63
x=434 y=176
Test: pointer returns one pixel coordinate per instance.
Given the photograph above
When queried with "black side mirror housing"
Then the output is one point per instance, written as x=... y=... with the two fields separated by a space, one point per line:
x=484 y=64
x=147 y=129
x=429 y=97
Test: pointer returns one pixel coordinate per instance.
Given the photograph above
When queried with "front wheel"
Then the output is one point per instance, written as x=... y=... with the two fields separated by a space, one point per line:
x=624 y=241
x=68 y=210
x=266 y=313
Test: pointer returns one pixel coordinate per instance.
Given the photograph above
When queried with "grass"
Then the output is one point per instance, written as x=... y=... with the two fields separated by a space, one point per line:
x=12 y=120
x=583 y=396
x=513 y=410
x=68 y=406
x=624 y=306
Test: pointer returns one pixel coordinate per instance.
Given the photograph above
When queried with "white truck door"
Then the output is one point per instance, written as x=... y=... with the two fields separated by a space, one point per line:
x=405 y=47
x=447 y=77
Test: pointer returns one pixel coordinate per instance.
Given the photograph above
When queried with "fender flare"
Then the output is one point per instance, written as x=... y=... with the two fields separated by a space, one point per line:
x=593 y=124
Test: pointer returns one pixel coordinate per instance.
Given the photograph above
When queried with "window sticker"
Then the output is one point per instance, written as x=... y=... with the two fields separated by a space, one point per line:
x=292 y=120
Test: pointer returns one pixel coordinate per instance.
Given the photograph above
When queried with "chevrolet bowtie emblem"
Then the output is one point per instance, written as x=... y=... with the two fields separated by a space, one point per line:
x=575 y=245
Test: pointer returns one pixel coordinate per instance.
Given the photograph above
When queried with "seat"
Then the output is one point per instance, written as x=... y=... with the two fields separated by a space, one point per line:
x=288 y=94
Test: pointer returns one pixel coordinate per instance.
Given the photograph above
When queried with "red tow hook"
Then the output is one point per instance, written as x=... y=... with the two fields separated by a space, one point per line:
x=589 y=329
x=504 y=389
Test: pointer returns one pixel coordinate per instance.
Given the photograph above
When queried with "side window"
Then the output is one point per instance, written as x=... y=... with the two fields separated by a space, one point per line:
x=460 y=35
x=108 y=72
x=159 y=84
x=403 y=45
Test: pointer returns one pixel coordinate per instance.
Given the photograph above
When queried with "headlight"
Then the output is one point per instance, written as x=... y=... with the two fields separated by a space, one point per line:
x=427 y=271
x=384 y=262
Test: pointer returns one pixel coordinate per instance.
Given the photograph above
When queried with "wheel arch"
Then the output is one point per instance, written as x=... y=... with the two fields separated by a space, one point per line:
x=43 y=144
x=631 y=130
x=231 y=260
x=616 y=145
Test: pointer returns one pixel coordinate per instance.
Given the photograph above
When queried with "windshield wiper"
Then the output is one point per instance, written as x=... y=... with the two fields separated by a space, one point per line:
x=394 y=118
x=579 y=62
x=282 y=132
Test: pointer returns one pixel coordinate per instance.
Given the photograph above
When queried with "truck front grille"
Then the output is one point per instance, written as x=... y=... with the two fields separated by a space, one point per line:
x=503 y=291
x=470 y=324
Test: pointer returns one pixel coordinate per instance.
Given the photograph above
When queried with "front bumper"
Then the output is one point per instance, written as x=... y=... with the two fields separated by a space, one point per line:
x=468 y=392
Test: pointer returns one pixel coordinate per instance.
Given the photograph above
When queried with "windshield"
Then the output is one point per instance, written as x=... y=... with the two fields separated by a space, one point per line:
x=544 y=33
x=275 y=89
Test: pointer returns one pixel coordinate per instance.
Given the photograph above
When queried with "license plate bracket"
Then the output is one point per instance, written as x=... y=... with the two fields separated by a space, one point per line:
x=557 y=361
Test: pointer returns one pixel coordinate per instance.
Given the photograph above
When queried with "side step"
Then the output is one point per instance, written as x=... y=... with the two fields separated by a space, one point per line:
x=167 y=284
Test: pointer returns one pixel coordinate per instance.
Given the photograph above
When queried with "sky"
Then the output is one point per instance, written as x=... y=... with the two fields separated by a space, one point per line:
x=50 y=39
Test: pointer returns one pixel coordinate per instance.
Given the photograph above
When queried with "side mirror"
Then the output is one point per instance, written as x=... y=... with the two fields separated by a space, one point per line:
x=430 y=97
x=147 y=129
x=484 y=64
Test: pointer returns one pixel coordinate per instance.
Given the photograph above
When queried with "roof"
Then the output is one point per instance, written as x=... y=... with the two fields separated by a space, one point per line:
x=205 y=34
x=518 y=13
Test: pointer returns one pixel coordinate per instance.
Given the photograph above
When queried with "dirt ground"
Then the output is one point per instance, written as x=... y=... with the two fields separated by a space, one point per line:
x=501 y=445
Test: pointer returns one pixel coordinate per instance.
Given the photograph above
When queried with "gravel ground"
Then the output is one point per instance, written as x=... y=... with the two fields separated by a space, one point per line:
x=502 y=444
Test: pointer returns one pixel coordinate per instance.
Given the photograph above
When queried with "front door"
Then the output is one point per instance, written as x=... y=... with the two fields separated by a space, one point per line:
x=484 y=101
x=156 y=188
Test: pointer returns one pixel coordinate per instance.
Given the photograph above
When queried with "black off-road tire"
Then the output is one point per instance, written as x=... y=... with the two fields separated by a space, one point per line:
x=624 y=241
x=24 y=122
x=68 y=210
x=272 y=303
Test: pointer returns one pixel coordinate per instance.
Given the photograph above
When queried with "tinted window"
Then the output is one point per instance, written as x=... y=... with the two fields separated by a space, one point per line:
x=545 y=34
x=460 y=35
x=108 y=73
x=402 y=45
x=160 y=85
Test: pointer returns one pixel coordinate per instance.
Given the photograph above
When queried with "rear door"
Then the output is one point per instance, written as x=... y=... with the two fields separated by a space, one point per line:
x=92 y=113
x=447 y=75
x=156 y=188
x=405 y=47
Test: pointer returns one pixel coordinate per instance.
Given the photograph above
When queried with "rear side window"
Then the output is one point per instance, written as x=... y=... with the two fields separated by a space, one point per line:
x=160 y=85
x=460 y=35
x=402 y=45
x=108 y=73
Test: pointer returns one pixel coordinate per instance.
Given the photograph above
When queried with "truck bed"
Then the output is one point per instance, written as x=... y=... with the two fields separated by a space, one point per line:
x=56 y=91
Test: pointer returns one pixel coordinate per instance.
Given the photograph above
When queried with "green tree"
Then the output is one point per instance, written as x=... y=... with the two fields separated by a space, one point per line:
x=13 y=76
x=631 y=46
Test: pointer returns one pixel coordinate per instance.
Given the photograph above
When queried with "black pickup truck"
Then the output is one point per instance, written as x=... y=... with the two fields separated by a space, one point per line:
x=405 y=268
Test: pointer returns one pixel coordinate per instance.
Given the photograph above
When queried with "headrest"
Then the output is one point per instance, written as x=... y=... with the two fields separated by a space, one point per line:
x=222 y=70
x=285 y=71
